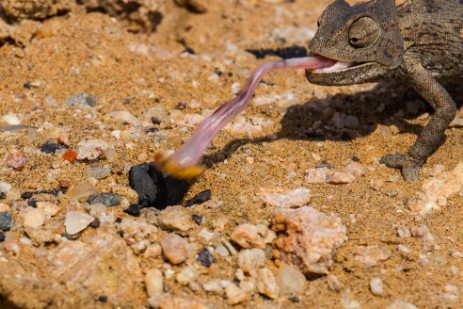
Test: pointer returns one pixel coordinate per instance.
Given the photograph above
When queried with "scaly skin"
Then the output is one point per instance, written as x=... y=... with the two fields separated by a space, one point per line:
x=419 y=43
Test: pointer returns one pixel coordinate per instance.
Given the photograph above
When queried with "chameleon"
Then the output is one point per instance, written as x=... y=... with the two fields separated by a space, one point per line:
x=419 y=43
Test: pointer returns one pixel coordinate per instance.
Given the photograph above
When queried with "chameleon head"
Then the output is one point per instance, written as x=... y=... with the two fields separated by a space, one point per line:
x=364 y=40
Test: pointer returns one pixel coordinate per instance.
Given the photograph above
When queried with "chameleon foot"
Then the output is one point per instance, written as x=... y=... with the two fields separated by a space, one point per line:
x=410 y=167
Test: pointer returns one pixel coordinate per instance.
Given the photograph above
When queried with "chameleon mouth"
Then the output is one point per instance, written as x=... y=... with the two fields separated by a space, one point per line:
x=333 y=65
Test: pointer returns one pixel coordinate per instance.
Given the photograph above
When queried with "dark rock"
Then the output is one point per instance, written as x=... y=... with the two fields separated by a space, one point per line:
x=51 y=147
x=355 y=159
x=2 y=195
x=95 y=224
x=107 y=199
x=55 y=192
x=2 y=237
x=199 y=198
x=205 y=257
x=133 y=210
x=172 y=192
x=27 y=195
x=82 y=99
x=154 y=188
x=32 y=202
x=294 y=299
x=118 y=220
x=155 y=120
x=198 y=219
x=6 y=220
x=103 y=298
x=145 y=183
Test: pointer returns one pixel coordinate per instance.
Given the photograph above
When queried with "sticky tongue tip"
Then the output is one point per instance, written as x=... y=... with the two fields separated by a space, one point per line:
x=163 y=163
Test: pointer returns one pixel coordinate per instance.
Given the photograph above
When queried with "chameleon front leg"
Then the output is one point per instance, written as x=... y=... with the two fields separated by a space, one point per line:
x=433 y=134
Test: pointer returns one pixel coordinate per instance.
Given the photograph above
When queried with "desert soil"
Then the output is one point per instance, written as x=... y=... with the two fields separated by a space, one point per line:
x=177 y=64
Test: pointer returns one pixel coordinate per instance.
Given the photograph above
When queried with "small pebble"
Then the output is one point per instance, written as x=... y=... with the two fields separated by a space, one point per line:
x=16 y=160
x=65 y=184
x=2 y=195
x=333 y=283
x=266 y=283
x=213 y=286
x=174 y=248
x=400 y=304
x=249 y=260
x=51 y=147
x=376 y=286
x=103 y=298
x=133 y=210
x=107 y=199
x=175 y=218
x=236 y=295
x=98 y=172
x=81 y=191
x=11 y=119
x=222 y=251
x=95 y=224
x=371 y=255
x=294 y=299
x=91 y=149
x=76 y=222
x=2 y=236
x=205 y=257
x=290 y=279
x=252 y=236
x=34 y=218
x=187 y=275
x=198 y=219
x=6 y=220
x=81 y=99
x=199 y=198
x=70 y=155
x=154 y=282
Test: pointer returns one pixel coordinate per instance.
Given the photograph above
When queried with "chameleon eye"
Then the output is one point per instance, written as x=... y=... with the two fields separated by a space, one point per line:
x=363 y=32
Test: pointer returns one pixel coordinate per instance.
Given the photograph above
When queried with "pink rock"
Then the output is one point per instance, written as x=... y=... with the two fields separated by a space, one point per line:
x=427 y=239
x=16 y=160
x=252 y=236
x=436 y=190
x=174 y=248
x=91 y=149
x=280 y=197
x=343 y=175
x=309 y=239
x=371 y=255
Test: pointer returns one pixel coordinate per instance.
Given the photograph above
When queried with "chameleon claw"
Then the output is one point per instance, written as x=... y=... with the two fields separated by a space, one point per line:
x=409 y=167
x=165 y=164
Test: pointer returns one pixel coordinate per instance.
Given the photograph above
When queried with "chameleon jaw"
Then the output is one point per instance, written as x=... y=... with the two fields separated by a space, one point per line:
x=343 y=73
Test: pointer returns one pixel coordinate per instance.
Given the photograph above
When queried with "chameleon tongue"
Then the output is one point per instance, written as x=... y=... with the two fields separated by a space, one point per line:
x=183 y=163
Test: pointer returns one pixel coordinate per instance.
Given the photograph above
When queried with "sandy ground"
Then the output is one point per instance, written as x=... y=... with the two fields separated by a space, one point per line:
x=141 y=67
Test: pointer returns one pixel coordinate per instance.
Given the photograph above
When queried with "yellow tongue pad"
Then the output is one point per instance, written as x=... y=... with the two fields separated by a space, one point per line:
x=177 y=171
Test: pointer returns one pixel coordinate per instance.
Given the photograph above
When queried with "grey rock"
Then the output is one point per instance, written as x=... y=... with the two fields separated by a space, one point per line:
x=107 y=199
x=6 y=220
x=81 y=99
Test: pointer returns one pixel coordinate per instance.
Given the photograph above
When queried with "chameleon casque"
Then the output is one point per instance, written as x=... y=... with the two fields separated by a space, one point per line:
x=419 y=42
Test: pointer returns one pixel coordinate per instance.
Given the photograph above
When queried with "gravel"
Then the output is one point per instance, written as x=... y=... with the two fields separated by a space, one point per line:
x=6 y=220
